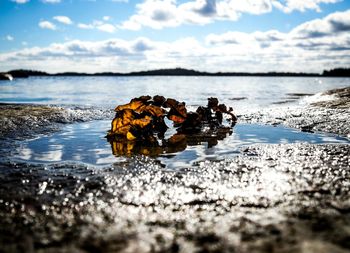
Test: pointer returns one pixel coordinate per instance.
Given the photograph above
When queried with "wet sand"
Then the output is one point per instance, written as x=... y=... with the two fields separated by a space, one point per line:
x=270 y=198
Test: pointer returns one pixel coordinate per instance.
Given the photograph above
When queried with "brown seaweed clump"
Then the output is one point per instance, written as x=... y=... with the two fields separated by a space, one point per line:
x=139 y=127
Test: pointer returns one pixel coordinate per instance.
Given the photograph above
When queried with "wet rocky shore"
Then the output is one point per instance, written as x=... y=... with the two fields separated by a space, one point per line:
x=330 y=115
x=26 y=120
x=269 y=198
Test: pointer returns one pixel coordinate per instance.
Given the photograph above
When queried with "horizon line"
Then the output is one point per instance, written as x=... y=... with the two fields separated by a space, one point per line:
x=178 y=71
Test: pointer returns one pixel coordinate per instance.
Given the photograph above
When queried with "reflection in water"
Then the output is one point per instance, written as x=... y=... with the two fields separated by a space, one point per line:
x=86 y=142
x=176 y=143
x=53 y=155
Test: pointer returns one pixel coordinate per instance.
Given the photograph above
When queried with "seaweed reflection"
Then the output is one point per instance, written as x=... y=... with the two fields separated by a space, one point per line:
x=176 y=143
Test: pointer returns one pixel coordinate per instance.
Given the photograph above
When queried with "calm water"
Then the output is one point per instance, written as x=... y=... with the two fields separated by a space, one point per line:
x=241 y=92
x=85 y=142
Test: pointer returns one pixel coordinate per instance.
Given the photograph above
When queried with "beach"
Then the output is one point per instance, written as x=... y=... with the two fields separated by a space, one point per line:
x=176 y=126
x=268 y=198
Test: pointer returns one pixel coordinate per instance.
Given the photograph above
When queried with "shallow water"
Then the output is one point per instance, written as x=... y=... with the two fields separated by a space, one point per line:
x=86 y=142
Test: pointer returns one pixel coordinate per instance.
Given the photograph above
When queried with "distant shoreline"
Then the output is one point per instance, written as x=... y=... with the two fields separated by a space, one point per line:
x=339 y=72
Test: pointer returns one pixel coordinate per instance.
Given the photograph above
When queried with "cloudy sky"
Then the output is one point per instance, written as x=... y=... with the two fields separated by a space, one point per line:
x=207 y=35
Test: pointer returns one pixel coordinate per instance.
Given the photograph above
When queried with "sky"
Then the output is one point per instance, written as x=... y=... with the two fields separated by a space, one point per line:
x=207 y=35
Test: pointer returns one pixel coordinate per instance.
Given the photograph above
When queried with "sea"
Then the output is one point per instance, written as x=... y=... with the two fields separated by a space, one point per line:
x=240 y=92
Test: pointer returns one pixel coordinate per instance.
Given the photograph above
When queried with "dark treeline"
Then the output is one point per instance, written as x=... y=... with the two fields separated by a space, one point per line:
x=341 y=72
x=338 y=72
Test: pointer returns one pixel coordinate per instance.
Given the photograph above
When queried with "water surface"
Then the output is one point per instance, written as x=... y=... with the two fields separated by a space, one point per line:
x=241 y=92
x=86 y=142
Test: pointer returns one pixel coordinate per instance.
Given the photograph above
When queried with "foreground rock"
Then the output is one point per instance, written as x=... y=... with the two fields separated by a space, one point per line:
x=272 y=198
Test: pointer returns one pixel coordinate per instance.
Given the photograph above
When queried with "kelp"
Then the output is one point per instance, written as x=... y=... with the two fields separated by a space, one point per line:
x=139 y=127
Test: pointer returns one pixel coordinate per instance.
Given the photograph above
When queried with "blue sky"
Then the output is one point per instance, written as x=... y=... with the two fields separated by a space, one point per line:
x=221 y=35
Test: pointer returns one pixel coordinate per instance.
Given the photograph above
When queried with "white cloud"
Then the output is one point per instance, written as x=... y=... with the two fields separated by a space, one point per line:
x=333 y=23
x=20 y=1
x=228 y=38
x=99 y=25
x=158 y=14
x=106 y=28
x=106 y=18
x=63 y=19
x=85 y=26
x=47 y=25
x=271 y=50
x=9 y=38
x=301 y=5
x=308 y=47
